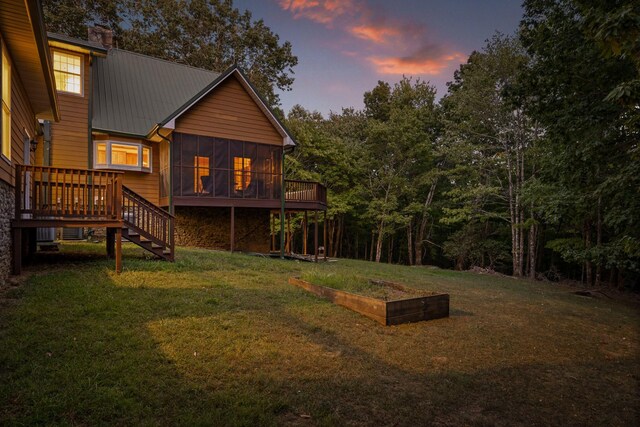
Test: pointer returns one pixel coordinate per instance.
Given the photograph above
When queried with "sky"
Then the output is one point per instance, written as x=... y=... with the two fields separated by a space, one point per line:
x=345 y=46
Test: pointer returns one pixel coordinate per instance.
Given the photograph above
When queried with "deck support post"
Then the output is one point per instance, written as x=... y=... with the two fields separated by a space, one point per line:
x=283 y=190
x=17 y=251
x=290 y=236
x=315 y=235
x=232 y=237
x=111 y=241
x=324 y=236
x=273 y=231
x=305 y=234
x=118 y=249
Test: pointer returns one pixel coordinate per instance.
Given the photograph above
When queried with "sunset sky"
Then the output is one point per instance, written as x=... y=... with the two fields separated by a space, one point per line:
x=345 y=46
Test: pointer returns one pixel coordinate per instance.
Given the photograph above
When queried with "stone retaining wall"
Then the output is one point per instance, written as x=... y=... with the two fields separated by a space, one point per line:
x=7 y=211
x=209 y=227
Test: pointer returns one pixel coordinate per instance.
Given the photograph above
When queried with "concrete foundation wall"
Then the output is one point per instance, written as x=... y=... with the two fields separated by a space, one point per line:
x=208 y=227
x=7 y=211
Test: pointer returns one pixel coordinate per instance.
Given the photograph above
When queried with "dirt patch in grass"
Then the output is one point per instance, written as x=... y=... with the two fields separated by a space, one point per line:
x=361 y=285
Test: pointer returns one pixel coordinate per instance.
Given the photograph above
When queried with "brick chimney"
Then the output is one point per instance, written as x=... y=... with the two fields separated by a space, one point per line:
x=102 y=35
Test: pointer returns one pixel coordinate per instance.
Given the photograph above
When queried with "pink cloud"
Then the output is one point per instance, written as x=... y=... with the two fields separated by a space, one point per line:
x=321 y=11
x=379 y=39
x=415 y=66
x=376 y=34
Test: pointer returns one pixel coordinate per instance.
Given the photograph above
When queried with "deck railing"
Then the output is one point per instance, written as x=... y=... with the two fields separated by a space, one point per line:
x=151 y=221
x=305 y=191
x=49 y=192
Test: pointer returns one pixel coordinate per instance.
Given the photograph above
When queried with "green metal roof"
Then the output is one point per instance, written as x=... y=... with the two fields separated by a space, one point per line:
x=132 y=93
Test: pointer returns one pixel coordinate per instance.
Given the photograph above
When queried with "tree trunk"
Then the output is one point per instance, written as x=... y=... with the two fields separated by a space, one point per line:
x=512 y=217
x=330 y=236
x=390 y=252
x=587 y=243
x=340 y=234
x=410 y=242
x=379 y=241
x=533 y=240
x=599 y=241
x=521 y=245
x=373 y=235
x=357 y=247
x=422 y=228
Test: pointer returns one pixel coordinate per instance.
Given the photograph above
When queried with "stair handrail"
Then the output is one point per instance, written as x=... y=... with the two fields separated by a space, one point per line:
x=149 y=220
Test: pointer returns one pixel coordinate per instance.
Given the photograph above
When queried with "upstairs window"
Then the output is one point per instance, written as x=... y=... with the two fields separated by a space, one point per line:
x=122 y=155
x=5 y=123
x=67 y=69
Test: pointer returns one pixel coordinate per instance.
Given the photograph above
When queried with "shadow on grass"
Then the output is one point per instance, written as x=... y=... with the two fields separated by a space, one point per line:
x=206 y=347
x=459 y=313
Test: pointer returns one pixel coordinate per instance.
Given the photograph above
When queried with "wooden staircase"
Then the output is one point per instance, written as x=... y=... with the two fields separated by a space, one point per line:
x=147 y=225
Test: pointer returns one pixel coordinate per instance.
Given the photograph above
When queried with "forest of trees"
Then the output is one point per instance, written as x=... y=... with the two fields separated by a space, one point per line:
x=529 y=165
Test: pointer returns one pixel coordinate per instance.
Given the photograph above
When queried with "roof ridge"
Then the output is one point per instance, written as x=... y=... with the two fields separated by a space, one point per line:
x=166 y=60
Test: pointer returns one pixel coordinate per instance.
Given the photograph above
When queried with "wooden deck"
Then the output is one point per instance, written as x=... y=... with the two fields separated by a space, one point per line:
x=299 y=196
x=49 y=197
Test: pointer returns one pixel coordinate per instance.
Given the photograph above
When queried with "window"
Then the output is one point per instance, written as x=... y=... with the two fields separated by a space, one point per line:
x=122 y=155
x=241 y=173
x=6 y=105
x=201 y=174
x=67 y=70
x=222 y=168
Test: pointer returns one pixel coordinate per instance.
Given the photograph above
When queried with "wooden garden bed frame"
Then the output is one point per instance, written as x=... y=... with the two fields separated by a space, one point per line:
x=387 y=313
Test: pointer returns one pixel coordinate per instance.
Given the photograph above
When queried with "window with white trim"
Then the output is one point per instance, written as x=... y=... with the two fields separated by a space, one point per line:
x=5 y=122
x=122 y=155
x=67 y=70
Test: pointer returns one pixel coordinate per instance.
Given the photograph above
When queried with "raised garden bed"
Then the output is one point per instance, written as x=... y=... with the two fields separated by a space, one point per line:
x=398 y=304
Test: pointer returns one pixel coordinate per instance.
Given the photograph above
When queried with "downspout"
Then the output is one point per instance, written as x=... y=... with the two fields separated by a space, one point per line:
x=90 y=124
x=89 y=93
x=46 y=150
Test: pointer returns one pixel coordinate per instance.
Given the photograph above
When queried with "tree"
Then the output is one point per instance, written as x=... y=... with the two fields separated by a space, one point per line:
x=489 y=141
x=329 y=151
x=590 y=166
x=209 y=34
x=402 y=133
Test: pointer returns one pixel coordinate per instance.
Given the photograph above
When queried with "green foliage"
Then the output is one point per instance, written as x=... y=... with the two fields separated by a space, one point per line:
x=210 y=34
x=476 y=245
x=590 y=162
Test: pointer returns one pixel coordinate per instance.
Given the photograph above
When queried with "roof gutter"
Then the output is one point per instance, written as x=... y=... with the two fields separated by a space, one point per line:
x=35 y=16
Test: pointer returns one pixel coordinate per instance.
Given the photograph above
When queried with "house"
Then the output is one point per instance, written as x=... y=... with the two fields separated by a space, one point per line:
x=156 y=152
x=27 y=94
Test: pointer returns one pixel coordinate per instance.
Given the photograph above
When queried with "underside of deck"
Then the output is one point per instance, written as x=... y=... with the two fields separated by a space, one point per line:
x=270 y=204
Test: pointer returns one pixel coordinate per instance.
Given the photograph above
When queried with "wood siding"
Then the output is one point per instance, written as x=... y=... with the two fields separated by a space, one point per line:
x=146 y=184
x=229 y=112
x=69 y=137
x=22 y=118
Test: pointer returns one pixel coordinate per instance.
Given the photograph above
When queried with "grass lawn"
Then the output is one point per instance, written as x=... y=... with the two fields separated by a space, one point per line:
x=222 y=339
